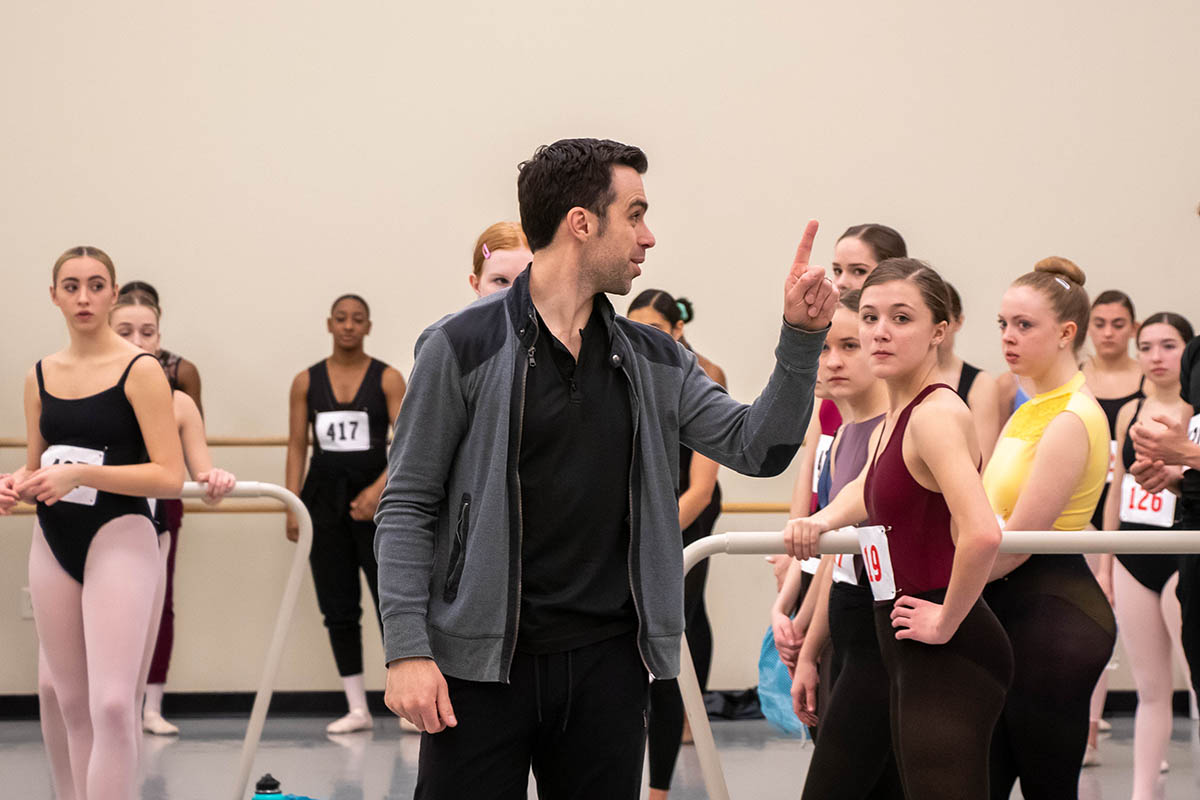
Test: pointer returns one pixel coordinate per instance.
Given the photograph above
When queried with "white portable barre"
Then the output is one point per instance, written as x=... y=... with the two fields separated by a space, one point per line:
x=283 y=621
x=834 y=542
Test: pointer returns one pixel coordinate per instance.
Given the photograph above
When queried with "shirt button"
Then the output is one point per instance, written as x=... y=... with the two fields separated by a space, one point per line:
x=616 y=359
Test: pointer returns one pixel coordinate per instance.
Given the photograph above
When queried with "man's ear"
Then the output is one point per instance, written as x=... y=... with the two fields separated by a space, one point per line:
x=579 y=223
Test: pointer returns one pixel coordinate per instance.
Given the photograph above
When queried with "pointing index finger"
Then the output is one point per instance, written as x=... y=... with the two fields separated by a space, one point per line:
x=804 y=249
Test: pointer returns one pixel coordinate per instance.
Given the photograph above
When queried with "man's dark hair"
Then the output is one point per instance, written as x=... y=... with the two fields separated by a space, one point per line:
x=566 y=174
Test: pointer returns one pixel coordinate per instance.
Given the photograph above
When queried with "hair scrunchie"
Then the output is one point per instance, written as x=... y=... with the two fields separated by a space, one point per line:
x=683 y=313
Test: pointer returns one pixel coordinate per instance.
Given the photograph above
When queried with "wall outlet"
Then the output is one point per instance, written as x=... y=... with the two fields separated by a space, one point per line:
x=26 y=610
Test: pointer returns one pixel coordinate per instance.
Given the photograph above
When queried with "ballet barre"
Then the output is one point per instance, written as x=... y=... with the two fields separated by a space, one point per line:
x=835 y=542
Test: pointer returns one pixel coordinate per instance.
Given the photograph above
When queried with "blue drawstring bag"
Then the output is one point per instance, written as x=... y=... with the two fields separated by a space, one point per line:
x=775 y=691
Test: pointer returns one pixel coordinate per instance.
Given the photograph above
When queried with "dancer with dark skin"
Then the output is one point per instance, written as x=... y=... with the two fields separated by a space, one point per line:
x=348 y=400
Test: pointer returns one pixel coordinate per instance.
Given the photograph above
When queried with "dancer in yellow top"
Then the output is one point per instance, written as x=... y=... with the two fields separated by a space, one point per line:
x=1047 y=472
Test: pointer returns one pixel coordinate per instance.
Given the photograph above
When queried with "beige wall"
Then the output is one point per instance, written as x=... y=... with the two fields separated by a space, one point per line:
x=254 y=160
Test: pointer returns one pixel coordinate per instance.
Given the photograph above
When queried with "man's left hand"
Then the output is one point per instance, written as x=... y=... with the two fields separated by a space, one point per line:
x=809 y=298
x=1168 y=444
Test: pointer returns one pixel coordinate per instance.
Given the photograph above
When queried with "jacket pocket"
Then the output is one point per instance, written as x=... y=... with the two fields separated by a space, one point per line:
x=458 y=551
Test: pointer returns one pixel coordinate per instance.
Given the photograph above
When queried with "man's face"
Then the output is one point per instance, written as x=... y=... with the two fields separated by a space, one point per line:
x=613 y=255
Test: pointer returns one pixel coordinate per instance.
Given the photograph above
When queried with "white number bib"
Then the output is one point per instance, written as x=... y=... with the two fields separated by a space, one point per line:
x=810 y=565
x=877 y=560
x=1112 y=460
x=1139 y=506
x=343 y=431
x=69 y=454
x=1194 y=433
x=843 y=569
x=823 y=445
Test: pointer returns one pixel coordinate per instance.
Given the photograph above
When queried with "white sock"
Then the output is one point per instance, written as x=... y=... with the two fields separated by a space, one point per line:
x=356 y=691
x=154 y=698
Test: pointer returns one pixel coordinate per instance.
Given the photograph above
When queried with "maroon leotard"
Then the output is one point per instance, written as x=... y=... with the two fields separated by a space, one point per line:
x=919 y=520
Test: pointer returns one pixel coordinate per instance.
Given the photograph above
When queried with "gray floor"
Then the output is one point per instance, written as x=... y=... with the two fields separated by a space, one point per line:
x=382 y=765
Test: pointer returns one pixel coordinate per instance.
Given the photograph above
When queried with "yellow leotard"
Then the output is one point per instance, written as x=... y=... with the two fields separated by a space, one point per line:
x=1012 y=460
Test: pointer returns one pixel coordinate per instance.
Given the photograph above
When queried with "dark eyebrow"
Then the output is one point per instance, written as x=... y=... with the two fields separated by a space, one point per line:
x=642 y=204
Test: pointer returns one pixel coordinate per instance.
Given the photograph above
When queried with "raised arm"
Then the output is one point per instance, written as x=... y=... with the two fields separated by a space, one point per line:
x=943 y=435
x=761 y=439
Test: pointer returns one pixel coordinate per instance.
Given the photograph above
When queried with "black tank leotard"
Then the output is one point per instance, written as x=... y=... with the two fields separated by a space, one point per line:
x=349 y=454
x=1112 y=406
x=103 y=423
x=966 y=379
x=1151 y=570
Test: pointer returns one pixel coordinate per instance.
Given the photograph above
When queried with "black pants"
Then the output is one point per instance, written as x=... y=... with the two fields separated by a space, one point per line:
x=341 y=548
x=578 y=718
x=853 y=757
x=1062 y=632
x=945 y=700
x=666 y=704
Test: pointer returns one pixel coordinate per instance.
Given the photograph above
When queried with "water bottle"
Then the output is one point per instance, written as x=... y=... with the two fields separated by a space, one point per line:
x=267 y=788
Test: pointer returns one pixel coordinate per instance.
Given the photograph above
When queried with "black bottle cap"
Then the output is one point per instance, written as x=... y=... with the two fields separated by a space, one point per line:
x=267 y=785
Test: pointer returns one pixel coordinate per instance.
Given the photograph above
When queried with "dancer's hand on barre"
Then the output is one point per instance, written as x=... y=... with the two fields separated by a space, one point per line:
x=363 y=507
x=417 y=691
x=292 y=528
x=49 y=484
x=919 y=620
x=804 y=691
x=218 y=484
x=809 y=298
x=8 y=494
x=803 y=537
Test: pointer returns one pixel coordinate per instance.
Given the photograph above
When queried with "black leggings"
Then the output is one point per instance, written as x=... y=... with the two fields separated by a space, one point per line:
x=666 y=704
x=341 y=547
x=853 y=757
x=945 y=700
x=1062 y=632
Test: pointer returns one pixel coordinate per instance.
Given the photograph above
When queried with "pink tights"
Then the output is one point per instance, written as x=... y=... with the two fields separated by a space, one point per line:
x=92 y=657
x=1150 y=628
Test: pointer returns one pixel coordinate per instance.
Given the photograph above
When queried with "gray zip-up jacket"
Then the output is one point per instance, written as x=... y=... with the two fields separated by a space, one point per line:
x=449 y=521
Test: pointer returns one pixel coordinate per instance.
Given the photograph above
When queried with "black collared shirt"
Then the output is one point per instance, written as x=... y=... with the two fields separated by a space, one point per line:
x=576 y=447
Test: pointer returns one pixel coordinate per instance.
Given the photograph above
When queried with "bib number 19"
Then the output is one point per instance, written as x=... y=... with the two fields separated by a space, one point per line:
x=877 y=561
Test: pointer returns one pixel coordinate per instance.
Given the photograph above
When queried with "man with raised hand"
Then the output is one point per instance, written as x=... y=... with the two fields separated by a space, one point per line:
x=530 y=559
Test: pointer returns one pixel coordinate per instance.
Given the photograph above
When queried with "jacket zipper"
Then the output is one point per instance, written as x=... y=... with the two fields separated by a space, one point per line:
x=629 y=555
x=530 y=362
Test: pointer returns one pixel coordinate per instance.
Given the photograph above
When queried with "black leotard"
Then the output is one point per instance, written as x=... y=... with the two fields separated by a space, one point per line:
x=1112 y=406
x=349 y=454
x=1151 y=570
x=966 y=379
x=105 y=424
